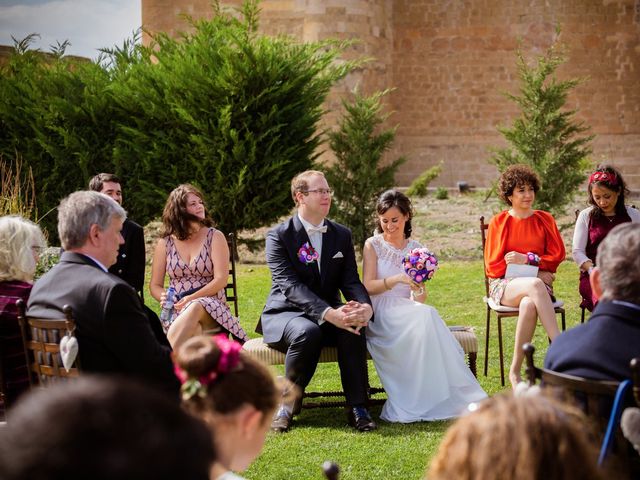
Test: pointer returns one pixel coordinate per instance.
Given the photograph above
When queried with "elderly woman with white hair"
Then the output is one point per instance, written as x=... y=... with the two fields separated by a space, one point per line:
x=20 y=244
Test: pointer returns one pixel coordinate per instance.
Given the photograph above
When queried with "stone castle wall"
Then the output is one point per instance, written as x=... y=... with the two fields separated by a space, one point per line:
x=450 y=61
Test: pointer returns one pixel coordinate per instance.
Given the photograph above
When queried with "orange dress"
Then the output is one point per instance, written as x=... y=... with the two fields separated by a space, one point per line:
x=537 y=234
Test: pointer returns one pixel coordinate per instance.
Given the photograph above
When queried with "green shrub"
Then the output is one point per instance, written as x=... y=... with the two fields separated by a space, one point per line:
x=442 y=193
x=223 y=107
x=358 y=176
x=546 y=136
x=418 y=187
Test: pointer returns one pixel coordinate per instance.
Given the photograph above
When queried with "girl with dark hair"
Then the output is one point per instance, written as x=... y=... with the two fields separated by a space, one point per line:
x=407 y=331
x=196 y=257
x=521 y=235
x=607 y=190
x=234 y=394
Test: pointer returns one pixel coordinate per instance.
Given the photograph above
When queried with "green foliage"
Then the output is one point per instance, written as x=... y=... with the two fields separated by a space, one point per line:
x=418 y=187
x=442 y=193
x=223 y=107
x=546 y=135
x=358 y=176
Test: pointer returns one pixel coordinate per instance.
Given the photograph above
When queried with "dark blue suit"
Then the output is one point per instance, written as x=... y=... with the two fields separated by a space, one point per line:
x=301 y=292
x=600 y=349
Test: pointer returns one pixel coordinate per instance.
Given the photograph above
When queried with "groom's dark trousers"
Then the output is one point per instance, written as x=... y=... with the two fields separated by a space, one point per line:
x=300 y=293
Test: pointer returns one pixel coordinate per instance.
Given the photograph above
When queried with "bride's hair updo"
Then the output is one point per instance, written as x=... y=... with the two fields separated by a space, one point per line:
x=394 y=198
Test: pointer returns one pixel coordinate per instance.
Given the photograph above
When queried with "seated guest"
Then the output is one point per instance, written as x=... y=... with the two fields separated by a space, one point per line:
x=113 y=331
x=20 y=244
x=196 y=257
x=130 y=264
x=522 y=235
x=607 y=190
x=603 y=348
x=103 y=429
x=527 y=438
x=233 y=393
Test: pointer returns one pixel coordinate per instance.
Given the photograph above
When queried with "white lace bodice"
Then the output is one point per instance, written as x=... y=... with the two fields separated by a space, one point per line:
x=390 y=263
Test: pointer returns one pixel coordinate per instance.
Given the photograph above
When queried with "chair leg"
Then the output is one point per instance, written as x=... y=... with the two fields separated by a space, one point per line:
x=582 y=316
x=564 y=323
x=501 y=351
x=486 y=342
x=472 y=363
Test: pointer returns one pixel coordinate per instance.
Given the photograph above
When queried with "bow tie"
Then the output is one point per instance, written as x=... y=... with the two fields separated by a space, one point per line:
x=312 y=230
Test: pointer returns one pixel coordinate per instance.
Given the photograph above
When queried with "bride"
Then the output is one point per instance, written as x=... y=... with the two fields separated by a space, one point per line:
x=420 y=363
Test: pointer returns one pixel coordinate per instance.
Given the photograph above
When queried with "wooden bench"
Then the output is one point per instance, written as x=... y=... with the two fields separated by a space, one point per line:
x=261 y=351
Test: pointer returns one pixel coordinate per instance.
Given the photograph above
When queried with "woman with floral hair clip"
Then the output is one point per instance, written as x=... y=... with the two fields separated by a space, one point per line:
x=607 y=190
x=234 y=394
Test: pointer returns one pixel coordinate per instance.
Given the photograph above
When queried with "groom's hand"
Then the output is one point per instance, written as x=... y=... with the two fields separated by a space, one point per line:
x=352 y=316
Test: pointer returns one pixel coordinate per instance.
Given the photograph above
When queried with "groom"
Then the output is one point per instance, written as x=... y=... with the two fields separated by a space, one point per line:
x=311 y=260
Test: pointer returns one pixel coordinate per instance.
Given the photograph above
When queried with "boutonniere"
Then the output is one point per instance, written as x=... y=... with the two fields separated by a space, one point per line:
x=307 y=254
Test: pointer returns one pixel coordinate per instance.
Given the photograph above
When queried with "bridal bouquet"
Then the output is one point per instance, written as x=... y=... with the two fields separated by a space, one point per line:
x=420 y=264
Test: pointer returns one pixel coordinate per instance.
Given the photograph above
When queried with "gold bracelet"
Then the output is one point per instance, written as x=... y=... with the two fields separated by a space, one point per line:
x=384 y=280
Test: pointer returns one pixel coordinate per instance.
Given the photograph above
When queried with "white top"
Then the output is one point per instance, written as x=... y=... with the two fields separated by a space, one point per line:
x=581 y=232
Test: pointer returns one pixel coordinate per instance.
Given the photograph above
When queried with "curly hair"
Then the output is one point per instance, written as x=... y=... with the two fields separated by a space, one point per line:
x=394 y=198
x=516 y=176
x=18 y=238
x=250 y=382
x=614 y=182
x=175 y=218
x=527 y=438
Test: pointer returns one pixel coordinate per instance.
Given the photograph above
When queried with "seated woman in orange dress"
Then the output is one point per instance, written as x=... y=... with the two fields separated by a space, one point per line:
x=522 y=235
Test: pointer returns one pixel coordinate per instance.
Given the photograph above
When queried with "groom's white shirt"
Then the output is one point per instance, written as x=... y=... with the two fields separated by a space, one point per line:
x=316 y=242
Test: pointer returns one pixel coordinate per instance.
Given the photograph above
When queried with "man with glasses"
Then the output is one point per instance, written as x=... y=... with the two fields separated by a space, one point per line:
x=311 y=261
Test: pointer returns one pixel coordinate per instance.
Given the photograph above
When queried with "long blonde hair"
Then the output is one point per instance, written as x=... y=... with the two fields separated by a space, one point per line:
x=18 y=238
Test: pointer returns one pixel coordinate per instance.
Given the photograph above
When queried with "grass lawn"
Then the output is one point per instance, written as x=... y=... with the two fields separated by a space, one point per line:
x=393 y=451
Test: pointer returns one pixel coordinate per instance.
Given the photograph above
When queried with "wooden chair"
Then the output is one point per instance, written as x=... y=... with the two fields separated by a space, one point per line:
x=231 y=290
x=593 y=397
x=501 y=311
x=41 y=338
x=261 y=351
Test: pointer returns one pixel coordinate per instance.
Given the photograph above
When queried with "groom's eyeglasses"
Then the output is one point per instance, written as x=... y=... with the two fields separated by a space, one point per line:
x=320 y=191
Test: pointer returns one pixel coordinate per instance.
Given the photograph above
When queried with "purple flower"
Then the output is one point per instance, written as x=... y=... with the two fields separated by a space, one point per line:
x=307 y=254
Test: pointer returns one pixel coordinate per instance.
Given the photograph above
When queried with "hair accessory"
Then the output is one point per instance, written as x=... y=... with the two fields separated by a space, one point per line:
x=228 y=360
x=604 y=177
x=533 y=259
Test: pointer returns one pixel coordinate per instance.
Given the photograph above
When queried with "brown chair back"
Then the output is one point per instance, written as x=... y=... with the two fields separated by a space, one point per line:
x=41 y=339
x=231 y=290
x=483 y=234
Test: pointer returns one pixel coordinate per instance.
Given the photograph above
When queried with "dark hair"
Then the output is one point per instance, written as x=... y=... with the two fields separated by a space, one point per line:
x=103 y=428
x=175 y=218
x=249 y=382
x=528 y=438
x=516 y=176
x=98 y=181
x=615 y=184
x=394 y=198
x=618 y=261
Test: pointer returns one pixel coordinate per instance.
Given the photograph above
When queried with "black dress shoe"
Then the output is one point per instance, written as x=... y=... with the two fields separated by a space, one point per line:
x=360 y=419
x=282 y=420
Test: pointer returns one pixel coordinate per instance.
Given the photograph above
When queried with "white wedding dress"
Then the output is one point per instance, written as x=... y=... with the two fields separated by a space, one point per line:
x=420 y=363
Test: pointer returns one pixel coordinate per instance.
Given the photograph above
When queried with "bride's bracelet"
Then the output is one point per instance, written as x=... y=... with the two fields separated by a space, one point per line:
x=386 y=287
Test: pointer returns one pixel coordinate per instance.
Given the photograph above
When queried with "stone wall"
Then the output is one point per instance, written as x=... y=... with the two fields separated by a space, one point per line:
x=450 y=61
